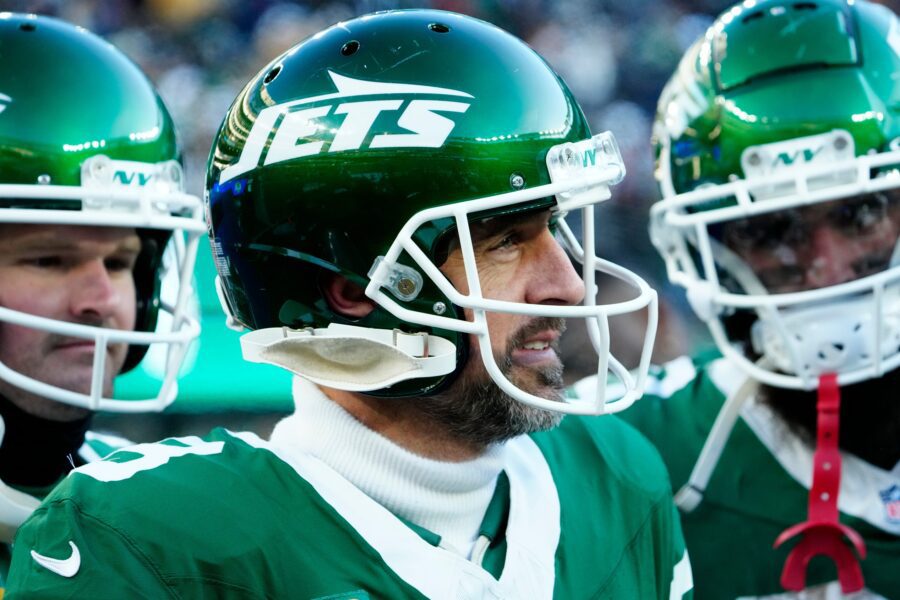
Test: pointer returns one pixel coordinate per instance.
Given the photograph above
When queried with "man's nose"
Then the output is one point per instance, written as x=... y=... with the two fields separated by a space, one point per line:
x=555 y=281
x=93 y=293
x=831 y=258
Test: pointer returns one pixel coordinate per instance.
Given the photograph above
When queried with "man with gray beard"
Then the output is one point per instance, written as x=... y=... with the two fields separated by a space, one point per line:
x=386 y=206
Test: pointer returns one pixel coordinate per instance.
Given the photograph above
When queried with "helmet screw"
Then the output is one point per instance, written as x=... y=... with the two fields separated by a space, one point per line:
x=406 y=286
x=516 y=181
x=439 y=308
x=754 y=159
x=43 y=179
x=100 y=168
x=840 y=143
x=173 y=173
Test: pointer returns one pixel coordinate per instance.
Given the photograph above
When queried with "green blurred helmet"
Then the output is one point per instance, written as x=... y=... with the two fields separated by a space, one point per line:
x=86 y=140
x=781 y=111
x=364 y=151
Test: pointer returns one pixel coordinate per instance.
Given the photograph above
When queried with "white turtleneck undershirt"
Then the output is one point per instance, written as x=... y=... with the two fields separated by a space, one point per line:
x=446 y=498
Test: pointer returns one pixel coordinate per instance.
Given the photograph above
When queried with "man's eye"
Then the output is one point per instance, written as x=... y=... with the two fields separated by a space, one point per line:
x=117 y=264
x=860 y=215
x=753 y=235
x=765 y=233
x=506 y=242
x=45 y=262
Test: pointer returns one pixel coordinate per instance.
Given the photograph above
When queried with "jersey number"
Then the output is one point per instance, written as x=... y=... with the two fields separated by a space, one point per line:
x=124 y=463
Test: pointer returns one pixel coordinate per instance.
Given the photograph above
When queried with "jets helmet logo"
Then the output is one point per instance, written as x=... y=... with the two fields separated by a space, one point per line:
x=296 y=131
x=804 y=155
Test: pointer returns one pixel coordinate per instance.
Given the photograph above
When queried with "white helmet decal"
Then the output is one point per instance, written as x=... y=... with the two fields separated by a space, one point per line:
x=293 y=120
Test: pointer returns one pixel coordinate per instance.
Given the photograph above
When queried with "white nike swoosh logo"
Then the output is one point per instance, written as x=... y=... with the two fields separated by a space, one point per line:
x=65 y=567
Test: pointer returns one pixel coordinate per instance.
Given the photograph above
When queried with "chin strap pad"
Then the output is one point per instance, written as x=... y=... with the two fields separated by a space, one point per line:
x=346 y=357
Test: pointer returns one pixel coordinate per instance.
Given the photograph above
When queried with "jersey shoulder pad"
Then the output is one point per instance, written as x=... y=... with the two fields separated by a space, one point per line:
x=97 y=445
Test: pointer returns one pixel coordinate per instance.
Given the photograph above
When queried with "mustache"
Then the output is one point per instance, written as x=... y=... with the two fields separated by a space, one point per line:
x=535 y=326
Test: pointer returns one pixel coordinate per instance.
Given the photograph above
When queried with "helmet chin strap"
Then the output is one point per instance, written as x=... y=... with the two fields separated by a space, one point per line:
x=822 y=533
x=15 y=506
x=691 y=493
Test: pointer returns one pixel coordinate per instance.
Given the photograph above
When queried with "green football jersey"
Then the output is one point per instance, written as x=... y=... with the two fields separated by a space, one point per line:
x=758 y=489
x=589 y=515
x=95 y=447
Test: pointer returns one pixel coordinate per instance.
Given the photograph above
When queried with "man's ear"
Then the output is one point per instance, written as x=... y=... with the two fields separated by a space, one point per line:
x=347 y=298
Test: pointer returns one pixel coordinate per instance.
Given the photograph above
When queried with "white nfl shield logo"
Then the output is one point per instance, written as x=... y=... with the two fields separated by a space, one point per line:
x=891 y=499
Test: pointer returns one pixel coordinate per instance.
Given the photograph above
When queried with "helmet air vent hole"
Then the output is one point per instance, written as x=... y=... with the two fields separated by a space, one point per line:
x=27 y=26
x=838 y=347
x=350 y=48
x=438 y=27
x=753 y=16
x=272 y=74
x=857 y=327
x=805 y=6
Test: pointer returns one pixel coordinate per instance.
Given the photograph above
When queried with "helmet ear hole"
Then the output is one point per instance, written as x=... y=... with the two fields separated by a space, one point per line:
x=346 y=298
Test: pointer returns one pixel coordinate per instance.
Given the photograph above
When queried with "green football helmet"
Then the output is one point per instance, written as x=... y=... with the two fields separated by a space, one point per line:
x=364 y=151
x=781 y=118
x=86 y=140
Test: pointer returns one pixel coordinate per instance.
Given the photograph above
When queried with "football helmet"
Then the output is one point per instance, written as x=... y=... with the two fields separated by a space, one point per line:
x=779 y=122
x=86 y=140
x=365 y=151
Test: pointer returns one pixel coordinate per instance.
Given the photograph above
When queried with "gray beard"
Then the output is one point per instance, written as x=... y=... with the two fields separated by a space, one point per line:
x=476 y=411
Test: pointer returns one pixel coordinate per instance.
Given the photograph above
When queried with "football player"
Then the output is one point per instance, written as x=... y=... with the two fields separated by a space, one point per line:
x=383 y=199
x=90 y=198
x=777 y=156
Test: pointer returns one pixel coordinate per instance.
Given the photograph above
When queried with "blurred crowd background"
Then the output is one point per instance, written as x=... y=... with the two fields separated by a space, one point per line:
x=615 y=55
